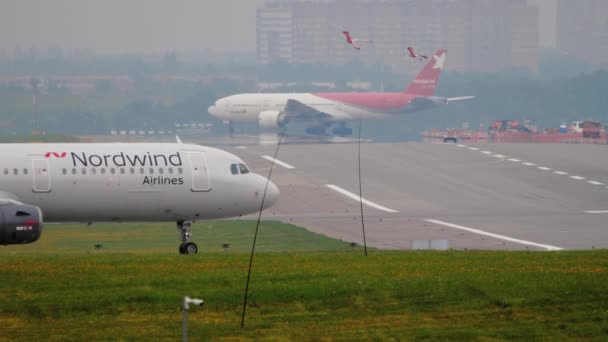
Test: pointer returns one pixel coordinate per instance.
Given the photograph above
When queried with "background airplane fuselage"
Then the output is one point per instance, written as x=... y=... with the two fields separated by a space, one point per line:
x=343 y=106
x=129 y=182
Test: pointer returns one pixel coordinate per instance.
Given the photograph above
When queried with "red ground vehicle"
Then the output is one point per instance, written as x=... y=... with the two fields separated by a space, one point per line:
x=592 y=129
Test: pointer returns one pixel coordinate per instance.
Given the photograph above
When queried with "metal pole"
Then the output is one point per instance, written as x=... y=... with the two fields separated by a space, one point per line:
x=185 y=322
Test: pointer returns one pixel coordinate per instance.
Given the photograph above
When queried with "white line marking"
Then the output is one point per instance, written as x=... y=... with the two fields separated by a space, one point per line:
x=544 y=168
x=276 y=161
x=577 y=177
x=473 y=149
x=529 y=164
x=500 y=156
x=357 y=198
x=597 y=212
x=486 y=152
x=241 y=147
x=514 y=160
x=560 y=173
x=595 y=183
x=461 y=145
x=496 y=236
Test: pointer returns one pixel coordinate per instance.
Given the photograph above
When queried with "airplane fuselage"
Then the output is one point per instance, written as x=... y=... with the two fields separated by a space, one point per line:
x=129 y=182
x=342 y=106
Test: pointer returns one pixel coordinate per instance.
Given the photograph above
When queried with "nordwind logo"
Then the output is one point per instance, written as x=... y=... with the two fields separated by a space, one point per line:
x=55 y=154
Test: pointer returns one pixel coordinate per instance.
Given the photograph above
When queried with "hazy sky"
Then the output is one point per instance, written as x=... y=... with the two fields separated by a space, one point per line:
x=129 y=25
x=150 y=25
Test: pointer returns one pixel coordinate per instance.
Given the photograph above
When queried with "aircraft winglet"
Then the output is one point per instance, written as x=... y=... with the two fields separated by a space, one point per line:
x=178 y=140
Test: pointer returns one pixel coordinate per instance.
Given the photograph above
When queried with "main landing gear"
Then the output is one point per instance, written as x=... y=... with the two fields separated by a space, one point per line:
x=185 y=231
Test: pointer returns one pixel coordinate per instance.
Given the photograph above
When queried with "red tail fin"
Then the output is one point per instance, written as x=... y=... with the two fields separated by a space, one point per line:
x=425 y=83
x=348 y=39
x=411 y=50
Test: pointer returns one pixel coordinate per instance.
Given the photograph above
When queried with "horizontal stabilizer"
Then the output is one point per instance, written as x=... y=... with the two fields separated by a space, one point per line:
x=460 y=98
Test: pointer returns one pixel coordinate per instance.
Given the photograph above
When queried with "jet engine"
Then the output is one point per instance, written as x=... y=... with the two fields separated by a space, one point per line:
x=19 y=224
x=272 y=119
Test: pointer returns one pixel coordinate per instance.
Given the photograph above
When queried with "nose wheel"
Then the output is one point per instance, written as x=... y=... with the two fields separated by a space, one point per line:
x=184 y=229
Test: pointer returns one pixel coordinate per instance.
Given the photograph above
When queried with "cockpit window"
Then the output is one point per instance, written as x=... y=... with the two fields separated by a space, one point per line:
x=234 y=169
x=243 y=168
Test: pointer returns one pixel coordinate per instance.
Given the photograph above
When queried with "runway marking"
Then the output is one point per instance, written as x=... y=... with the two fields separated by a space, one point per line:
x=357 y=198
x=529 y=164
x=544 y=168
x=461 y=145
x=486 y=152
x=595 y=183
x=499 y=156
x=577 y=177
x=473 y=149
x=596 y=211
x=496 y=236
x=278 y=162
x=241 y=147
x=514 y=160
x=560 y=173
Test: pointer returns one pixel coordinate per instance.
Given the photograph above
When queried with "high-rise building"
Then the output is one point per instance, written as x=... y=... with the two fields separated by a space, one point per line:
x=582 y=30
x=480 y=35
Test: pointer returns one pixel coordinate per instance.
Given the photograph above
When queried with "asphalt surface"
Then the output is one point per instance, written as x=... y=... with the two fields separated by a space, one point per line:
x=484 y=196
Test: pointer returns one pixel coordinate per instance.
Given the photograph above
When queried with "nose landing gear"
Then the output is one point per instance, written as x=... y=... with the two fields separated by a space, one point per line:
x=185 y=231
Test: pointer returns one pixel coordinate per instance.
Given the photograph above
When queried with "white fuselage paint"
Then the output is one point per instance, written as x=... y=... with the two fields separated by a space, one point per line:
x=247 y=107
x=129 y=182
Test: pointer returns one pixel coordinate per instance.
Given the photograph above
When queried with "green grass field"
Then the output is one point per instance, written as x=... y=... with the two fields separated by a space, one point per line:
x=131 y=289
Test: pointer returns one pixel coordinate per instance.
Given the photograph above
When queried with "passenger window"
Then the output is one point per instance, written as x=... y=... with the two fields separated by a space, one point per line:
x=122 y=171
x=234 y=169
x=243 y=168
x=170 y=170
x=64 y=171
x=74 y=171
x=93 y=171
x=25 y=171
x=84 y=171
x=132 y=170
x=6 y=171
x=161 y=171
x=15 y=171
x=141 y=170
x=112 y=171
x=103 y=170
x=151 y=171
x=179 y=170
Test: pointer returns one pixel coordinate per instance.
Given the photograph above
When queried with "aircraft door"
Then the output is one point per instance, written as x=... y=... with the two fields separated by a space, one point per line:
x=201 y=180
x=42 y=175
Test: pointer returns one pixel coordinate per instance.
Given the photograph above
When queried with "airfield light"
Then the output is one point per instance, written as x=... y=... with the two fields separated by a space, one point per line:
x=226 y=247
x=185 y=306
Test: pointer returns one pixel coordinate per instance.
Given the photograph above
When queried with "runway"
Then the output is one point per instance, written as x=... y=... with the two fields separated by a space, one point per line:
x=485 y=196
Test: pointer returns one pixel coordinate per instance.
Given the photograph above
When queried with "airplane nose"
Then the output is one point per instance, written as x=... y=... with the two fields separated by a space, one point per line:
x=272 y=195
x=212 y=110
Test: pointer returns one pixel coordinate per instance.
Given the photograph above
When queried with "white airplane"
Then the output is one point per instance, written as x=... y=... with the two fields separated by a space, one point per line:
x=322 y=110
x=123 y=182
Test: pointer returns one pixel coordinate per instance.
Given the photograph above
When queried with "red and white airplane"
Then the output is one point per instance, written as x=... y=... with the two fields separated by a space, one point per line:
x=320 y=111
x=355 y=41
x=414 y=55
